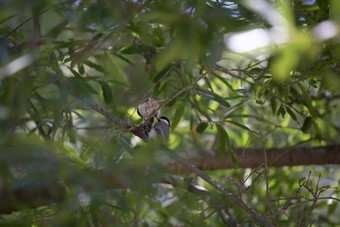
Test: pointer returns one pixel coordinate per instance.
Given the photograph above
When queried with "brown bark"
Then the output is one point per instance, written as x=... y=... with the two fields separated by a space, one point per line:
x=253 y=158
x=13 y=199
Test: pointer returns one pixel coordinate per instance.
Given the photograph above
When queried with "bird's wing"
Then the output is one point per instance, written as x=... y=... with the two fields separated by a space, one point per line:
x=162 y=129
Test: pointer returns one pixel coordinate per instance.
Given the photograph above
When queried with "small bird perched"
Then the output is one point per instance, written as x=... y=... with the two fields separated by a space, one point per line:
x=160 y=129
x=148 y=107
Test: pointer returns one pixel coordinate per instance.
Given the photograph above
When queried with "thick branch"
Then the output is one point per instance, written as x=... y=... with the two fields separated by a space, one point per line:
x=253 y=158
x=36 y=195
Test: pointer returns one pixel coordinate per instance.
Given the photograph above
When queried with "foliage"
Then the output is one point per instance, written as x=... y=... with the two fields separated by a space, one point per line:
x=230 y=89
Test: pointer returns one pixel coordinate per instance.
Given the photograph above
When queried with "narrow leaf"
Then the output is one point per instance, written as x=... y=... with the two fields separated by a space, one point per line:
x=94 y=65
x=273 y=104
x=137 y=49
x=80 y=86
x=162 y=74
x=201 y=127
x=212 y=96
x=244 y=92
x=178 y=114
x=123 y=58
x=281 y=111
x=235 y=97
x=240 y=125
x=307 y=124
x=107 y=92
x=317 y=130
x=75 y=73
x=291 y=113
x=308 y=100
x=232 y=152
x=81 y=69
x=232 y=109
x=222 y=140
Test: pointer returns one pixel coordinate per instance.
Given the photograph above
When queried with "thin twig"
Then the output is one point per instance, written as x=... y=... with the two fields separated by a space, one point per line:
x=136 y=216
x=257 y=217
x=178 y=93
x=266 y=176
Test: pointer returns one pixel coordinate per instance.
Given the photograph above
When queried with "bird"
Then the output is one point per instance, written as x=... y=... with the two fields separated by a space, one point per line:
x=161 y=129
x=148 y=107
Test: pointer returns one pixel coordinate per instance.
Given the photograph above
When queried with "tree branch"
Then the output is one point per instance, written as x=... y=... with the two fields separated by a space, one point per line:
x=253 y=158
x=136 y=130
x=257 y=217
x=44 y=194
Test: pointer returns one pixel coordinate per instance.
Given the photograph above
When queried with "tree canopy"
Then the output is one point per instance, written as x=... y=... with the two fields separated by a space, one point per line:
x=251 y=89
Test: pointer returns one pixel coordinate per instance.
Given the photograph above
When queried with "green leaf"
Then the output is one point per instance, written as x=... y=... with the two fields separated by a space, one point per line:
x=281 y=111
x=244 y=92
x=240 y=125
x=80 y=86
x=336 y=128
x=201 y=127
x=107 y=92
x=308 y=100
x=291 y=113
x=232 y=151
x=307 y=124
x=207 y=81
x=94 y=65
x=223 y=142
x=212 y=96
x=256 y=71
x=75 y=73
x=110 y=66
x=317 y=130
x=191 y=122
x=273 y=105
x=223 y=80
x=137 y=49
x=234 y=97
x=123 y=58
x=178 y=114
x=81 y=69
x=162 y=74
x=37 y=115
x=232 y=109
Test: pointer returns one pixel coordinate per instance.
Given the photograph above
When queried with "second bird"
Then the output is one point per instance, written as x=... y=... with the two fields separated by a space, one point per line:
x=148 y=107
x=160 y=129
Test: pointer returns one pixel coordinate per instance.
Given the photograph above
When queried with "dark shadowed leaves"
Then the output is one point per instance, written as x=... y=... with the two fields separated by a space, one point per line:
x=201 y=127
x=307 y=124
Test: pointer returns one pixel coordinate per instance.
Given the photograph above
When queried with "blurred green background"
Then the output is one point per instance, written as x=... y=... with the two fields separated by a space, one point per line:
x=272 y=77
